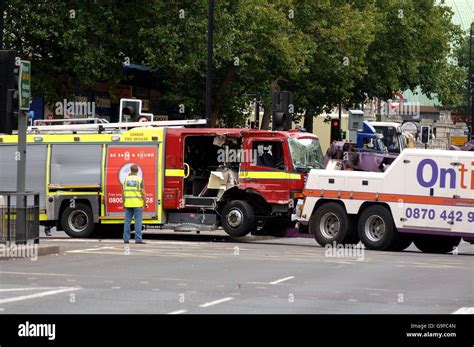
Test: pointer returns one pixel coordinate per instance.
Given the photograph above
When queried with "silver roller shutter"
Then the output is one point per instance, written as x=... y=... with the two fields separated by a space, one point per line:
x=35 y=169
x=76 y=164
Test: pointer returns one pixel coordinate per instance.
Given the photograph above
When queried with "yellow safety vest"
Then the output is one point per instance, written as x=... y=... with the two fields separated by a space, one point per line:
x=132 y=196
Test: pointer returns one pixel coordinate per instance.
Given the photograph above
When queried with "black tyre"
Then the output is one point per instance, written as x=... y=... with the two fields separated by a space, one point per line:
x=238 y=218
x=78 y=221
x=469 y=239
x=404 y=242
x=330 y=223
x=377 y=230
x=436 y=243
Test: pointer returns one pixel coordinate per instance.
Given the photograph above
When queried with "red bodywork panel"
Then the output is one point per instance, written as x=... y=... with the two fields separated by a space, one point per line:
x=274 y=191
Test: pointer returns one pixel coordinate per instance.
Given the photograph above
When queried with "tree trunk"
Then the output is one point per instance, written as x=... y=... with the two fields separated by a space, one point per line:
x=308 y=121
x=218 y=95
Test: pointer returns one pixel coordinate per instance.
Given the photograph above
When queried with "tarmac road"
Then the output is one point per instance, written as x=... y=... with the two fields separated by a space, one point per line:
x=213 y=273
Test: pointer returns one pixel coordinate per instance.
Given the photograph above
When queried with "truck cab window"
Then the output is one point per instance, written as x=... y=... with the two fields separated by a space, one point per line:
x=269 y=154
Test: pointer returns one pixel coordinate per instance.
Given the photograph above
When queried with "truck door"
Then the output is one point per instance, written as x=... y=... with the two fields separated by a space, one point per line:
x=266 y=169
x=429 y=188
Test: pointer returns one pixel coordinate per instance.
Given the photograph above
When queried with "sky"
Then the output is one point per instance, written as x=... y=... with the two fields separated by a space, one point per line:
x=463 y=12
x=464 y=16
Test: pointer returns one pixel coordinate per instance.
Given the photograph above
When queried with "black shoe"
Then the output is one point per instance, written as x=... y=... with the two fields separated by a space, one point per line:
x=125 y=242
x=140 y=242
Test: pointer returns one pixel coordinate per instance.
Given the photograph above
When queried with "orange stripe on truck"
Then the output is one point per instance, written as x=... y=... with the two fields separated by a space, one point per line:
x=409 y=199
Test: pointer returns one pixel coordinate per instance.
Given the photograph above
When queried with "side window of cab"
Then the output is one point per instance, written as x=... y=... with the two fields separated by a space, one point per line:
x=269 y=154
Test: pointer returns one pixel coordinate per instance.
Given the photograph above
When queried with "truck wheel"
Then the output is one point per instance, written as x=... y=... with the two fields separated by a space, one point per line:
x=469 y=239
x=78 y=221
x=436 y=243
x=403 y=243
x=377 y=230
x=330 y=223
x=237 y=218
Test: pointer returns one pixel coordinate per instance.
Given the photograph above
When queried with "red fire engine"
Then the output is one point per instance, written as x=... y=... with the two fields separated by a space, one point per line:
x=196 y=178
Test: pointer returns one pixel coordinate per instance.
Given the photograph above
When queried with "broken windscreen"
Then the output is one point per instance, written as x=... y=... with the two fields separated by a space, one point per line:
x=306 y=153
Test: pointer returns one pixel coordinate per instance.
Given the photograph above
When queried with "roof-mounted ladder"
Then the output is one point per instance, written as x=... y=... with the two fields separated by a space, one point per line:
x=99 y=125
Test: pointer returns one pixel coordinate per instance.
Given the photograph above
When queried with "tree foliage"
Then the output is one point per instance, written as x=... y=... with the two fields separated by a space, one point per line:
x=328 y=52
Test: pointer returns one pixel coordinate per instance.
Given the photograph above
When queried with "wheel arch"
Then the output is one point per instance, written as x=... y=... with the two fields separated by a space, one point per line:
x=256 y=200
x=323 y=201
x=368 y=204
x=63 y=201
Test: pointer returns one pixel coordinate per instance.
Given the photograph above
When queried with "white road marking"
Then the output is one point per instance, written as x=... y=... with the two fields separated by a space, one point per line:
x=23 y=289
x=381 y=289
x=465 y=310
x=2 y=309
x=178 y=312
x=32 y=273
x=282 y=280
x=256 y=282
x=151 y=242
x=86 y=250
x=220 y=301
x=138 y=252
x=115 y=287
x=37 y=295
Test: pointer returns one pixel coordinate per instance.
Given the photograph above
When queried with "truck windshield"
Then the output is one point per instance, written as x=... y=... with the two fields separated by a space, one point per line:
x=306 y=154
x=391 y=138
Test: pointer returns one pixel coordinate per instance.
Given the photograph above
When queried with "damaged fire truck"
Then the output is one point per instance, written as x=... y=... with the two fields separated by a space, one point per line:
x=196 y=178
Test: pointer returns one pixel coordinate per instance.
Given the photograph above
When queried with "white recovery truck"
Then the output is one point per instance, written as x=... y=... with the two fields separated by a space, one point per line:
x=425 y=197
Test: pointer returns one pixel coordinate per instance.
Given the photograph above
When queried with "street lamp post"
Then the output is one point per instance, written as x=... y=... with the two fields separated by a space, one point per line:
x=210 y=32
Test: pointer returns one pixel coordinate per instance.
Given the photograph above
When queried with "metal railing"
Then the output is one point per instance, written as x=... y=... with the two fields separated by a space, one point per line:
x=19 y=225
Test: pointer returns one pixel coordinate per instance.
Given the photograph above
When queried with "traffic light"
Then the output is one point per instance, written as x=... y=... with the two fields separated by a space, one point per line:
x=425 y=133
x=335 y=130
x=282 y=110
x=131 y=111
x=9 y=71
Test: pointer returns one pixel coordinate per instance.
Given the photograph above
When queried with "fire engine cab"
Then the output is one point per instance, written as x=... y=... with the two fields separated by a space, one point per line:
x=195 y=178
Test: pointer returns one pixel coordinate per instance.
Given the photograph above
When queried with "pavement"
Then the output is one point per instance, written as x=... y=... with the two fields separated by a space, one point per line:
x=186 y=273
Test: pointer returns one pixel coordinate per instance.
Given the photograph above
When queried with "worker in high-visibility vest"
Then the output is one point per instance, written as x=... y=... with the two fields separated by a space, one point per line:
x=134 y=199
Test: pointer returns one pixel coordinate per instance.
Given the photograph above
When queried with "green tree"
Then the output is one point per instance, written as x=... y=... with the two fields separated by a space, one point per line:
x=412 y=45
x=74 y=43
x=453 y=93
x=342 y=34
x=254 y=44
